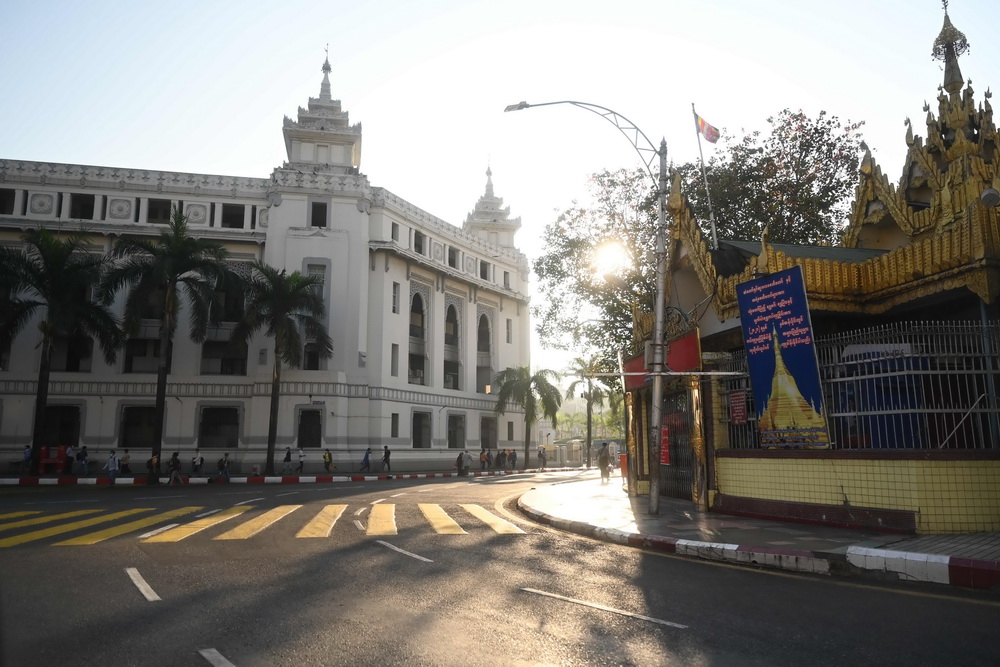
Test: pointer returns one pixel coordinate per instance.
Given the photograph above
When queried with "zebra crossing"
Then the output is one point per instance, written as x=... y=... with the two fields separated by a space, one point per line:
x=239 y=522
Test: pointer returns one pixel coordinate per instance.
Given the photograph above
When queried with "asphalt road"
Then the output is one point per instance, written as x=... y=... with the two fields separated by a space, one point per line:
x=450 y=580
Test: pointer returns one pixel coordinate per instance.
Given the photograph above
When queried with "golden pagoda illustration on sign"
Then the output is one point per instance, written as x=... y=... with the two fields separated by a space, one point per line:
x=788 y=418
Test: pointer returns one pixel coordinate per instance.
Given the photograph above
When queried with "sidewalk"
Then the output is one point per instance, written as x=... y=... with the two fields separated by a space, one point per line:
x=606 y=512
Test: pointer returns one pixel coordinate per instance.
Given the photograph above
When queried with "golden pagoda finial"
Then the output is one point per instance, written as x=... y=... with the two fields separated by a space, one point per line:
x=949 y=45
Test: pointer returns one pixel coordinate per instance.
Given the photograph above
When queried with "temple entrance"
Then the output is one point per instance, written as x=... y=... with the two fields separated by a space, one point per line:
x=676 y=478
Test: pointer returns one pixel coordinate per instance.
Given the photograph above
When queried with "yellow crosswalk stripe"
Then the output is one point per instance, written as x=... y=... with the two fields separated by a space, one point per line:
x=439 y=520
x=68 y=527
x=254 y=526
x=492 y=520
x=322 y=523
x=46 y=519
x=14 y=515
x=382 y=520
x=187 y=530
x=101 y=535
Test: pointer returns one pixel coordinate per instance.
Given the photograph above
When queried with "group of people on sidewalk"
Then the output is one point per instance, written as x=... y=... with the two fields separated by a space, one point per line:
x=366 y=462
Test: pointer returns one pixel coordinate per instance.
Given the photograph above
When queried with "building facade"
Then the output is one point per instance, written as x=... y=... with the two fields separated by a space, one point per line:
x=422 y=313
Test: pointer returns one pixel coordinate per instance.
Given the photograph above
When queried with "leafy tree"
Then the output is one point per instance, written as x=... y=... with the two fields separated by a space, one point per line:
x=534 y=393
x=52 y=274
x=593 y=392
x=287 y=306
x=156 y=272
x=798 y=179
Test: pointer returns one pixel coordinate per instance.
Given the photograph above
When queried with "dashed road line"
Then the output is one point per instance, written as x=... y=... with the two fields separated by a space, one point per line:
x=404 y=551
x=215 y=658
x=140 y=583
x=187 y=530
x=159 y=530
x=595 y=605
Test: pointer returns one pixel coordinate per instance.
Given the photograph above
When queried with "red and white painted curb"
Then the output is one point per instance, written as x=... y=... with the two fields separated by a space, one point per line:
x=140 y=480
x=907 y=566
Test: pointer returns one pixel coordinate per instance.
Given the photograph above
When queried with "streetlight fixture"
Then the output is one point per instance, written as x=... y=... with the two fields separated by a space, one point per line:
x=647 y=153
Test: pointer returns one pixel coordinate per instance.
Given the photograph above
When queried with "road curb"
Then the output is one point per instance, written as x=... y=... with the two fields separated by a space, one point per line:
x=857 y=561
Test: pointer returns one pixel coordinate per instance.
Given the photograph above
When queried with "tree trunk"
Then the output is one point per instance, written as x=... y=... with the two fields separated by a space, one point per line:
x=590 y=420
x=527 y=440
x=41 y=401
x=272 y=425
x=162 y=369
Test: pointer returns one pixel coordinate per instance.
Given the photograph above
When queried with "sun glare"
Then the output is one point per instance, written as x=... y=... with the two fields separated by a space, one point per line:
x=609 y=257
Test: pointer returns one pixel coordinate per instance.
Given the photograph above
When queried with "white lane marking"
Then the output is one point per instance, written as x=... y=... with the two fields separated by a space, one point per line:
x=157 y=497
x=158 y=531
x=215 y=658
x=249 y=500
x=375 y=502
x=404 y=552
x=204 y=514
x=425 y=490
x=361 y=511
x=602 y=607
x=141 y=584
x=397 y=495
x=358 y=524
x=290 y=493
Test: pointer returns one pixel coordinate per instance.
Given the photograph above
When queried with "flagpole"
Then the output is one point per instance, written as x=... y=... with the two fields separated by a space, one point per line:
x=704 y=176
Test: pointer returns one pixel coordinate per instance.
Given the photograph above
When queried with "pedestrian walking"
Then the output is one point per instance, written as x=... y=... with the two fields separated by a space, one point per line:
x=197 y=461
x=328 y=460
x=385 y=459
x=366 y=463
x=489 y=459
x=302 y=461
x=111 y=465
x=467 y=460
x=542 y=457
x=82 y=461
x=482 y=459
x=125 y=460
x=153 y=470
x=174 y=468
x=70 y=461
x=286 y=468
x=25 y=460
x=223 y=467
x=501 y=459
x=604 y=462
x=460 y=465
x=513 y=459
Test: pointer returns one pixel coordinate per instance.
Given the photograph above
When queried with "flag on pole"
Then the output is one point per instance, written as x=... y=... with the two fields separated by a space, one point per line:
x=710 y=132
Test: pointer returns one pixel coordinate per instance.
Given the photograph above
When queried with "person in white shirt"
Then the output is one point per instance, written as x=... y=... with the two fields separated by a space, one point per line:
x=111 y=465
x=302 y=460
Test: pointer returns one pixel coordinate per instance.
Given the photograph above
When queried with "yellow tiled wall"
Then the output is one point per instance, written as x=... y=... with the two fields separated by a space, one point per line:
x=948 y=496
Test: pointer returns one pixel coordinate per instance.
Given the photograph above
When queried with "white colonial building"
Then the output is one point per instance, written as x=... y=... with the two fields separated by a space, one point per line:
x=422 y=313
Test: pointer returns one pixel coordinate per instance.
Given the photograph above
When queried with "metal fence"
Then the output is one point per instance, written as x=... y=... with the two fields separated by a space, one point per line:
x=909 y=385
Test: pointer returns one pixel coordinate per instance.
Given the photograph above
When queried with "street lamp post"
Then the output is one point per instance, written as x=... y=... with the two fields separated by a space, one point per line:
x=647 y=152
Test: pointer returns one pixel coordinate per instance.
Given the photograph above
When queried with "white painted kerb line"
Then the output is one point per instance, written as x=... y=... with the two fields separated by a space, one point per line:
x=404 y=552
x=141 y=584
x=215 y=658
x=602 y=607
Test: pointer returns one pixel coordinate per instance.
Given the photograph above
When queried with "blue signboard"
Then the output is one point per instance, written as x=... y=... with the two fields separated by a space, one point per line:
x=781 y=356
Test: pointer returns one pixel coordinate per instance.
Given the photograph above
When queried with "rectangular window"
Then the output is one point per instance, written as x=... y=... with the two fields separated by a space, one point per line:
x=137 y=429
x=419 y=243
x=453 y=257
x=395 y=297
x=394 y=361
x=81 y=207
x=416 y=374
x=394 y=231
x=456 y=431
x=72 y=355
x=7 y=201
x=510 y=430
x=484 y=270
x=421 y=430
x=219 y=428
x=506 y=279
x=222 y=358
x=142 y=355
x=318 y=214
x=451 y=375
x=158 y=212
x=310 y=357
x=232 y=216
x=394 y=425
x=510 y=330
x=228 y=303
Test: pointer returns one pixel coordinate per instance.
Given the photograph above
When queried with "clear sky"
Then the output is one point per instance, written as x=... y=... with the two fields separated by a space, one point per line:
x=202 y=86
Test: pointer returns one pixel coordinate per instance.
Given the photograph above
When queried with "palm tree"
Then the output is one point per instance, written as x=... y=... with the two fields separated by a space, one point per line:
x=518 y=387
x=155 y=272
x=593 y=394
x=53 y=274
x=283 y=304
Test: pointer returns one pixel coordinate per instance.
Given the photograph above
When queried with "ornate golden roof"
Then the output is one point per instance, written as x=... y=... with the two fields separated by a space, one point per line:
x=936 y=232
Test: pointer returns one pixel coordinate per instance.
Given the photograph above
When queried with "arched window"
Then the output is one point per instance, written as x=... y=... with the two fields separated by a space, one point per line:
x=483 y=335
x=451 y=327
x=417 y=317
